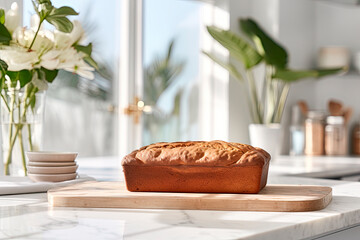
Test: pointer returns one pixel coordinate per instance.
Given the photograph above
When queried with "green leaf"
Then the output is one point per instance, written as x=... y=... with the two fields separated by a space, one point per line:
x=33 y=102
x=89 y=60
x=5 y=36
x=63 y=12
x=3 y=68
x=23 y=76
x=2 y=16
x=273 y=52
x=50 y=75
x=2 y=83
x=329 y=71
x=3 y=65
x=228 y=66
x=43 y=9
x=289 y=75
x=238 y=47
x=85 y=49
x=35 y=7
x=177 y=102
x=31 y=91
x=61 y=23
x=170 y=50
x=43 y=1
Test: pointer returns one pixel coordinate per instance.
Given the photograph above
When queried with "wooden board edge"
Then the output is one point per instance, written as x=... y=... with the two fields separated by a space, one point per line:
x=95 y=202
x=98 y=202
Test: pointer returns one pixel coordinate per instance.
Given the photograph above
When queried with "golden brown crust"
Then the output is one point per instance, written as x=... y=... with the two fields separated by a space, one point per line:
x=226 y=179
x=198 y=153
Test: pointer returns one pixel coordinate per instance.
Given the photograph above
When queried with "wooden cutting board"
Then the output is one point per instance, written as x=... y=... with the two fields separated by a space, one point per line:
x=273 y=198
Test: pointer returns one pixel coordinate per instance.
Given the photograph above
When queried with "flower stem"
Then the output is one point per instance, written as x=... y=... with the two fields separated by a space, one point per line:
x=9 y=153
x=18 y=131
x=5 y=101
x=36 y=33
x=29 y=137
x=258 y=111
x=21 y=142
x=22 y=150
x=11 y=146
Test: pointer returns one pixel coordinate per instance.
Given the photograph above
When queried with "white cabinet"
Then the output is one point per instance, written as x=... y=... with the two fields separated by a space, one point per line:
x=348 y=234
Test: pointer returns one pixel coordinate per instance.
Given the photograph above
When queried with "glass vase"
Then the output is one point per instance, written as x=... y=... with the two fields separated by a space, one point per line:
x=22 y=115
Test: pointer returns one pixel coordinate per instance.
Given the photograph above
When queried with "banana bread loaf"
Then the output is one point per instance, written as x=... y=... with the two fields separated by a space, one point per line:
x=212 y=167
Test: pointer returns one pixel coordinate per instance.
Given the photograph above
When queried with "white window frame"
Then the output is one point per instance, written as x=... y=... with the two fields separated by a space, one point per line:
x=213 y=80
x=130 y=73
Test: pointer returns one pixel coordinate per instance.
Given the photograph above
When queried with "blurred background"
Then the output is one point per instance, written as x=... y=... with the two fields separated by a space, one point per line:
x=155 y=83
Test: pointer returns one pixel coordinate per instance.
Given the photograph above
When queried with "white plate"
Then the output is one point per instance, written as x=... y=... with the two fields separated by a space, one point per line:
x=51 y=156
x=51 y=164
x=51 y=177
x=52 y=170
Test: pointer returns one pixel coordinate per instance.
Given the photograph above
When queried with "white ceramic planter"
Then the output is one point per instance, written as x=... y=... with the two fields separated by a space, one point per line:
x=268 y=137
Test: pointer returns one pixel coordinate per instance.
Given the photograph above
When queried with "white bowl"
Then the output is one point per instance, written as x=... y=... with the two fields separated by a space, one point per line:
x=52 y=170
x=51 y=177
x=51 y=164
x=51 y=156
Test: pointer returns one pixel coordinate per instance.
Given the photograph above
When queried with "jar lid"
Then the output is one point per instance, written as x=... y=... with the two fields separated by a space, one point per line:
x=319 y=115
x=296 y=116
x=335 y=120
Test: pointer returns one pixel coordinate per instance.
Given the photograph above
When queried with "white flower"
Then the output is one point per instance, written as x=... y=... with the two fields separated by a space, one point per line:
x=18 y=58
x=50 y=60
x=43 y=41
x=66 y=40
x=78 y=33
x=69 y=60
x=82 y=69
x=62 y=40
x=12 y=18
x=23 y=37
x=72 y=61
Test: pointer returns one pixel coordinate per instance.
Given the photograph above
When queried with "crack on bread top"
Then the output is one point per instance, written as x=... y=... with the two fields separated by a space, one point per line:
x=197 y=153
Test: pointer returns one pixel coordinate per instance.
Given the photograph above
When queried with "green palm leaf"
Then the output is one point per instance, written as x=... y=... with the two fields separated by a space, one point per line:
x=228 y=66
x=238 y=48
x=289 y=75
x=273 y=52
x=160 y=74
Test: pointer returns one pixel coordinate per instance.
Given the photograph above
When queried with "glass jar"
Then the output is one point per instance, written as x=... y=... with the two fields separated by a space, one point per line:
x=335 y=136
x=297 y=134
x=314 y=133
x=356 y=139
x=21 y=117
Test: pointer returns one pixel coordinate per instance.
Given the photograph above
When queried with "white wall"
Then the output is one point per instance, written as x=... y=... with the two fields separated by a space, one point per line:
x=239 y=117
x=297 y=35
x=339 y=24
x=266 y=13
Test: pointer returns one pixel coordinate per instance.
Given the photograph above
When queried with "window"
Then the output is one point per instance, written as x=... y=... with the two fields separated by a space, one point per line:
x=79 y=113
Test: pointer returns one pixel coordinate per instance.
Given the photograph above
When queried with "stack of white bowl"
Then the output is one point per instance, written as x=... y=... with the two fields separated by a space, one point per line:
x=51 y=166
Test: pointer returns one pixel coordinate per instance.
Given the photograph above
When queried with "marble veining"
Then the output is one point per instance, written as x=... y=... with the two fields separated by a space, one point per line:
x=28 y=216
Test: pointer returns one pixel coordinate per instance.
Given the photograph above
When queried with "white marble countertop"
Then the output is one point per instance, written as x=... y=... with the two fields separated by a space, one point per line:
x=28 y=216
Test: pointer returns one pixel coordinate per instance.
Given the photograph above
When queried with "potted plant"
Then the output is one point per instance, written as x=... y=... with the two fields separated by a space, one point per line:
x=266 y=96
x=30 y=59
